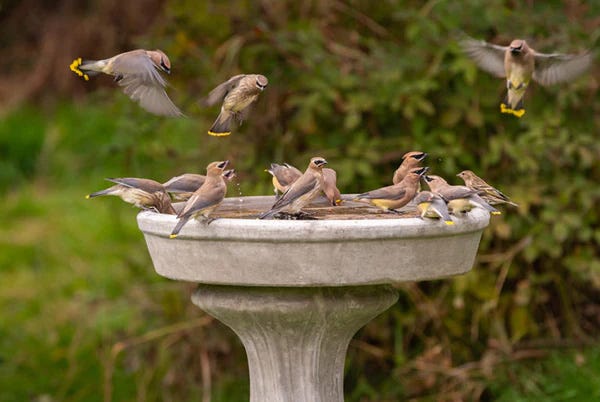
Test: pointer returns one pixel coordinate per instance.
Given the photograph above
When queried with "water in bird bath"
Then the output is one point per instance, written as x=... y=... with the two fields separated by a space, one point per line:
x=251 y=207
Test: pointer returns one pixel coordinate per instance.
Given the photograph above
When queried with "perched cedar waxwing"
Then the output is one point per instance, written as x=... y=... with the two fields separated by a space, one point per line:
x=137 y=71
x=182 y=187
x=206 y=199
x=283 y=176
x=410 y=160
x=459 y=198
x=142 y=193
x=431 y=205
x=393 y=197
x=301 y=192
x=330 y=187
x=237 y=94
x=490 y=194
x=518 y=63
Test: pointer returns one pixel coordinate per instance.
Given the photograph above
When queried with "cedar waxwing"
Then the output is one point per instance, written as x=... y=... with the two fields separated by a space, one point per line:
x=142 y=193
x=283 y=176
x=182 y=187
x=459 y=198
x=431 y=205
x=490 y=194
x=237 y=94
x=330 y=187
x=301 y=192
x=410 y=160
x=518 y=63
x=206 y=199
x=138 y=72
x=393 y=197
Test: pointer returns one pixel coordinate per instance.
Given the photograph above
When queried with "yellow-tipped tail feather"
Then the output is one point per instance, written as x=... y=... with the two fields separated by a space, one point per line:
x=75 y=68
x=87 y=196
x=219 y=134
x=449 y=223
x=505 y=109
x=172 y=236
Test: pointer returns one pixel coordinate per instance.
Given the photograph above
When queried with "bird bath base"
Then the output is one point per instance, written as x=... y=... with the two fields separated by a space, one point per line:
x=295 y=292
x=295 y=338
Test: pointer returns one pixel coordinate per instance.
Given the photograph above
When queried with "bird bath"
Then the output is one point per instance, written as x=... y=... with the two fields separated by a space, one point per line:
x=295 y=292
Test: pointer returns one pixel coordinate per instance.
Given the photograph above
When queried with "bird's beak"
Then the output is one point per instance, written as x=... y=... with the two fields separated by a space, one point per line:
x=423 y=171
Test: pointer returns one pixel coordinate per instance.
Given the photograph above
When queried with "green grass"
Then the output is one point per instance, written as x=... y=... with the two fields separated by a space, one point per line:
x=561 y=377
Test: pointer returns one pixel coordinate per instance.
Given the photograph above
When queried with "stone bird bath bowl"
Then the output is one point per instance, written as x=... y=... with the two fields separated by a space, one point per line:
x=295 y=292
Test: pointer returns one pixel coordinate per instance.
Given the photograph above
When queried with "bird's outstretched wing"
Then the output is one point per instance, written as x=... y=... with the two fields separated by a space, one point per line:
x=488 y=57
x=142 y=82
x=218 y=94
x=554 y=68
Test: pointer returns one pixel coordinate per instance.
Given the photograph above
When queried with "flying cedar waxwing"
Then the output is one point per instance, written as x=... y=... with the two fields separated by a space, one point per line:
x=142 y=193
x=283 y=176
x=330 y=187
x=458 y=198
x=431 y=205
x=410 y=160
x=237 y=94
x=393 y=197
x=301 y=192
x=138 y=72
x=490 y=194
x=519 y=63
x=206 y=199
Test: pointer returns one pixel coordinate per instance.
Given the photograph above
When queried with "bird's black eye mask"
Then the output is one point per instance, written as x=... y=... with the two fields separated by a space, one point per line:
x=164 y=66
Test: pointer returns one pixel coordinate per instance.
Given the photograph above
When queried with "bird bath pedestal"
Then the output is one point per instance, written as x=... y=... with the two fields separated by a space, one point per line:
x=295 y=292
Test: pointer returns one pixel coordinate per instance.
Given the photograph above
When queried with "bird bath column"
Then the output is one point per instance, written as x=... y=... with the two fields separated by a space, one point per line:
x=295 y=292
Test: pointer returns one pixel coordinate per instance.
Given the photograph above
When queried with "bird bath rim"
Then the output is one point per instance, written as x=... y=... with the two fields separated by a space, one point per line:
x=313 y=253
x=249 y=229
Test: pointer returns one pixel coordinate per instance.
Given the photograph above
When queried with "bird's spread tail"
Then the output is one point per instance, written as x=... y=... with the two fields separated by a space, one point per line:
x=75 y=68
x=222 y=126
x=518 y=111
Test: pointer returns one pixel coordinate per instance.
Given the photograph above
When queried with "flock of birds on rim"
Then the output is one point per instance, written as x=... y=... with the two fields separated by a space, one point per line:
x=138 y=73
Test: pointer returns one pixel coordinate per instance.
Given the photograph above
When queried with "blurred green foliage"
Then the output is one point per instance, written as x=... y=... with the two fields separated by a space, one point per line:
x=359 y=83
